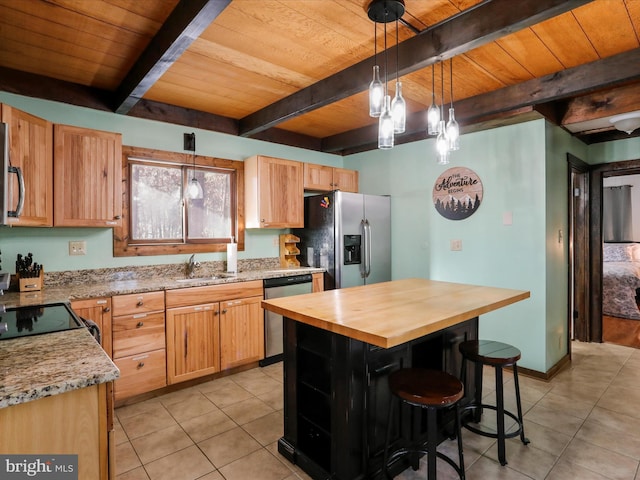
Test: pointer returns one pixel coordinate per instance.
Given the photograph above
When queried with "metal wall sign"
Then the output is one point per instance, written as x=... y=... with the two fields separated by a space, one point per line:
x=457 y=193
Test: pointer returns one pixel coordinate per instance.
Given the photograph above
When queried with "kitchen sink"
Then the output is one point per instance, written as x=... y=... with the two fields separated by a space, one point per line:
x=201 y=279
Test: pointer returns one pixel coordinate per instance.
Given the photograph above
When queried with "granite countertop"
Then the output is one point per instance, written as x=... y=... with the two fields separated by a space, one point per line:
x=44 y=365
x=80 y=290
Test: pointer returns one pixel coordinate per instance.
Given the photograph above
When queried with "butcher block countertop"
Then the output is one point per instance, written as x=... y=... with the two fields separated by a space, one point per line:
x=392 y=313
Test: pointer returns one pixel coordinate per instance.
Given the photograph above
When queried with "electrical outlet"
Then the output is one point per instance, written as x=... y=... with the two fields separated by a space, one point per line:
x=276 y=241
x=78 y=248
x=456 y=245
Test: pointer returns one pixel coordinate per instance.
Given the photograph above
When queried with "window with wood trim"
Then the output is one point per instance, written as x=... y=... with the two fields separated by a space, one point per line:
x=160 y=218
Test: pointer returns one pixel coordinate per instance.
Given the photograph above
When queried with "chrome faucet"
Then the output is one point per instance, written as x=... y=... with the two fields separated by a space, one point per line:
x=192 y=265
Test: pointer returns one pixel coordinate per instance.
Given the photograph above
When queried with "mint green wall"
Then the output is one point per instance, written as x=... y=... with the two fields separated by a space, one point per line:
x=617 y=151
x=510 y=161
x=50 y=245
x=557 y=143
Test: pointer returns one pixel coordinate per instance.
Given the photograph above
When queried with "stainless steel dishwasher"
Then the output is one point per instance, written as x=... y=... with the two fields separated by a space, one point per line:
x=276 y=288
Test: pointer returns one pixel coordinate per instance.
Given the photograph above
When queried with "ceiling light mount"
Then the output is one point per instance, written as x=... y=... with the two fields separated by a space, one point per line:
x=385 y=11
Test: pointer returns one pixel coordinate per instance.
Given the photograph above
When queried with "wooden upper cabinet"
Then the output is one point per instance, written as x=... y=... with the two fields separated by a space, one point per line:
x=87 y=177
x=31 y=149
x=274 y=192
x=324 y=179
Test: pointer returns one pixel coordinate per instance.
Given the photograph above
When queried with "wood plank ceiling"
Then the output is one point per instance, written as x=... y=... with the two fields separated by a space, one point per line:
x=296 y=72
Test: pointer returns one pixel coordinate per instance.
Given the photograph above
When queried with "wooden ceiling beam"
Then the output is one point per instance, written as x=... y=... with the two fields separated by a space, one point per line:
x=47 y=88
x=164 y=112
x=602 y=104
x=595 y=76
x=470 y=29
x=185 y=24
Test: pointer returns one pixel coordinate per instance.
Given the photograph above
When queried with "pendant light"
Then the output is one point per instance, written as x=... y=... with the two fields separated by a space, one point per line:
x=386 y=123
x=194 y=189
x=376 y=89
x=385 y=11
x=398 y=105
x=433 y=114
x=453 y=130
x=442 y=142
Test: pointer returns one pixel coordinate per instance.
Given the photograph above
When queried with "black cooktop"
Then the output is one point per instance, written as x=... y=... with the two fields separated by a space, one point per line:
x=35 y=320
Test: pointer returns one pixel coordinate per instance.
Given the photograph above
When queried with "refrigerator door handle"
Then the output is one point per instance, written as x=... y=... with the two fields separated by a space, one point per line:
x=363 y=264
x=367 y=248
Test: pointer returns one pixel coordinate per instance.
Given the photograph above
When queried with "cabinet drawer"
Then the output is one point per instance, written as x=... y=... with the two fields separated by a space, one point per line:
x=137 y=334
x=137 y=303
x=141 y=373
x=184 y=297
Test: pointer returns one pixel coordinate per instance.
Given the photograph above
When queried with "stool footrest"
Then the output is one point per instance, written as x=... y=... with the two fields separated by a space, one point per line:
x=422 y=450
x=484 y=433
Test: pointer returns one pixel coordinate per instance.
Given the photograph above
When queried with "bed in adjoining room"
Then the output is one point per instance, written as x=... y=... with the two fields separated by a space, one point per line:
x=621 y=280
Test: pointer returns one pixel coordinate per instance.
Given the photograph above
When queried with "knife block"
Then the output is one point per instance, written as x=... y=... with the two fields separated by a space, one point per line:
x=31 y=284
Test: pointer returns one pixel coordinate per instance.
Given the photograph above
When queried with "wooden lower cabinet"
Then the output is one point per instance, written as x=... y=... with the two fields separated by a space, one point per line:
x=193 y=341
x=79 y=422
x=97 y=310
x=213 y=328
x=241 y=332
x=139 y=343
x=317 y=280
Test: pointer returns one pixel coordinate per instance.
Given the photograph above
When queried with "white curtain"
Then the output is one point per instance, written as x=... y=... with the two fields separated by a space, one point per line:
x=617 y=220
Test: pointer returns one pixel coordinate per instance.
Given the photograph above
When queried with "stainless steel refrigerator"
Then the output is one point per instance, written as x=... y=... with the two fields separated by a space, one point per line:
x=348 y=234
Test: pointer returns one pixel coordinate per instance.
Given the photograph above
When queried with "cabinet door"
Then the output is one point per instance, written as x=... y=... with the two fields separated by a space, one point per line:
x=99 y=311
x=87 y=177
x=318 y=282
x=31 y=149
x=318 y=177
x=241 y=332
x=345 y=180
x=280 y=193
x=193 y=341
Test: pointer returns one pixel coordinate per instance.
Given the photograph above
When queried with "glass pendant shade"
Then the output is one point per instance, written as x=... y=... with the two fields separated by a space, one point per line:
x=399 y=110
x=442 y=144
x=385 y=125
x=433 y=118
x=376 y=94
x=453 y=131
x=194 y=190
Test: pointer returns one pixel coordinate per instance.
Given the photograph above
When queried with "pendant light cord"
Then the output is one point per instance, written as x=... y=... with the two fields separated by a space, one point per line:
x=433 y=83
x=386 y=68
x=442 y=87
x=451 y=80
x=397 y=51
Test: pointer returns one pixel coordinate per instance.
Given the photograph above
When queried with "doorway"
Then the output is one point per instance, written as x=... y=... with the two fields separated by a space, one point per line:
x=586 y=240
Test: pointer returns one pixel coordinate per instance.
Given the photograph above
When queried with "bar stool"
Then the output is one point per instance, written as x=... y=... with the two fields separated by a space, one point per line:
x=430 y=390
x=497 y=355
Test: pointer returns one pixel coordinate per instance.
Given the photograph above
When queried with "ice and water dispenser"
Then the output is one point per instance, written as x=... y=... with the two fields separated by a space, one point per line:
x=352 y=250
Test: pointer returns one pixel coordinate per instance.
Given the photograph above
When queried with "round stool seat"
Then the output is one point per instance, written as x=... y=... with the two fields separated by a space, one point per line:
x=489 y=352
x=420 y=386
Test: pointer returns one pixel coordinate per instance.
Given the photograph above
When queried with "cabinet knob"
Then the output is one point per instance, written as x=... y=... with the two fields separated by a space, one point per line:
x=139 y=324
x=224 y=310
x=106 y=309
x=117 y=217
x=140 y=303
x=141 y=364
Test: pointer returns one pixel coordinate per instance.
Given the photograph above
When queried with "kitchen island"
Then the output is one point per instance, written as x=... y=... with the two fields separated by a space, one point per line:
x=341 y=345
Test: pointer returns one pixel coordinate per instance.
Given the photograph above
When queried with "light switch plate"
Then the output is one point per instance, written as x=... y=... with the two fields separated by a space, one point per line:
x=78 y=247
x=456 y=245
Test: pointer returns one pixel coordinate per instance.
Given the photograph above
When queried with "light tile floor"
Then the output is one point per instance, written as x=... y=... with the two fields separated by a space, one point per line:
x=584 y=424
